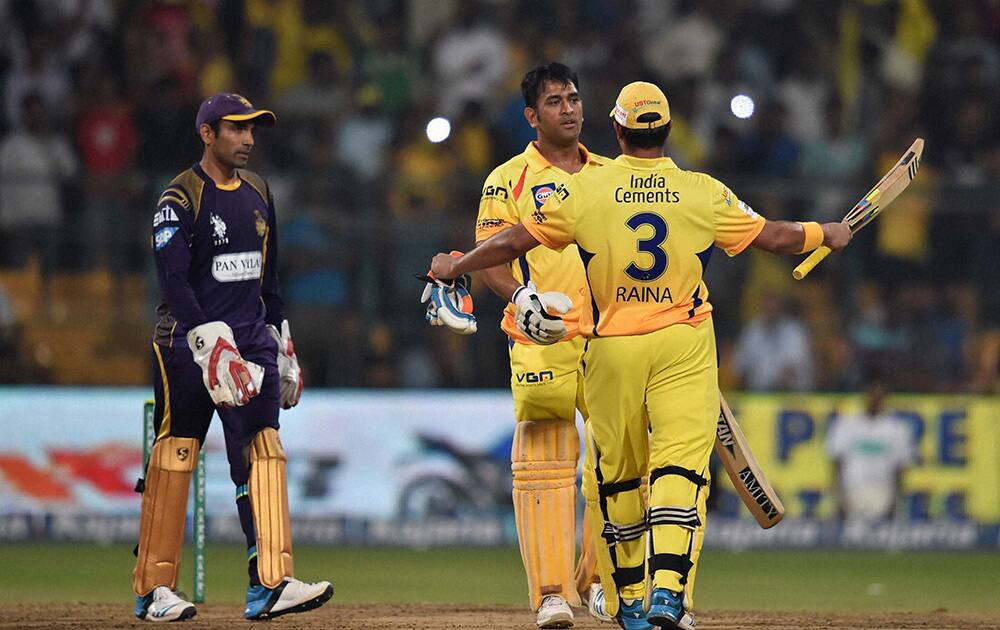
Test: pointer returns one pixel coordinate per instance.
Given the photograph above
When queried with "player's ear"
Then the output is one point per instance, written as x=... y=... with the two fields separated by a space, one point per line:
x=531 y=116
x=207 y=133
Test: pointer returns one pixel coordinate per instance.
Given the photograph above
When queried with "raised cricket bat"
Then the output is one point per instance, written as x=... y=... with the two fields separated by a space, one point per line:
x=881 y=195
x=755 y=491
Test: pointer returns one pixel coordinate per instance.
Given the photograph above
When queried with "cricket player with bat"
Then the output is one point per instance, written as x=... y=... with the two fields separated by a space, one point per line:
x=221 y=343
x=645 y=230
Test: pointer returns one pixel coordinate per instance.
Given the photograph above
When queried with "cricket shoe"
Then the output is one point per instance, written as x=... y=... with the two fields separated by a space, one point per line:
x=631 y=616
x=554 y=613
x=291 y=596
x=666 y=609
x=596 y=604
x=162 y=604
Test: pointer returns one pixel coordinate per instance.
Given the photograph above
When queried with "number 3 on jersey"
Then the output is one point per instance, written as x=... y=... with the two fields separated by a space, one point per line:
x=651 y=246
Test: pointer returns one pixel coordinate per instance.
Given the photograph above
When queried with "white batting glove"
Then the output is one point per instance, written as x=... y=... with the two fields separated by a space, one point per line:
x=288 y=366
x=449 y=304
x=231 y=381
x=539 y=315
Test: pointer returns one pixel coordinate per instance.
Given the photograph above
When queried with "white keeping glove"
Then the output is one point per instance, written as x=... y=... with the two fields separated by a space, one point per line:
x=539 y=315
x=288 y=366
x=449 y=303
x=231 y=381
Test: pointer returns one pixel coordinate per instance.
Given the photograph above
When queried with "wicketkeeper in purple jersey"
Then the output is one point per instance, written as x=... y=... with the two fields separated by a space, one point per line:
x=222 y=344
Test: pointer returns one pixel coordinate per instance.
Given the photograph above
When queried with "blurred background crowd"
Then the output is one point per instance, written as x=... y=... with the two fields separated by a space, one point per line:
x=98 y=101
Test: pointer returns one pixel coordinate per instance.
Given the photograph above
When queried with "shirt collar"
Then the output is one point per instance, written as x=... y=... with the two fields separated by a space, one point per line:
x=645 y=164
x=537 y=162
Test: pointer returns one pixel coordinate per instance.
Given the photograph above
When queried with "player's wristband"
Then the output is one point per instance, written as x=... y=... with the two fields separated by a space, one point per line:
x=814 y=236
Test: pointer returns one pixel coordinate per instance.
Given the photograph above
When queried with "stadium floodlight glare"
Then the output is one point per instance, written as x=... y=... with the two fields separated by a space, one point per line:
x=742 y=106
x=438 y=130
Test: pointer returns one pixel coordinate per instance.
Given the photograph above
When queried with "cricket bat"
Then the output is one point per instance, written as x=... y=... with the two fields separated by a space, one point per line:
x=755 y=491
x=881 y=195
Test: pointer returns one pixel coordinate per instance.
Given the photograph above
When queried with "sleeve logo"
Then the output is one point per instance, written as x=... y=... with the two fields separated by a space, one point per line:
x=495 y=192
x=166 y=213
x=485 y=224
x=746 y=209
x=163 y=236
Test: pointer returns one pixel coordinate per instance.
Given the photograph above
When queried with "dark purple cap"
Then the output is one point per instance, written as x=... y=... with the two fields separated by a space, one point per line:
x=226 y=106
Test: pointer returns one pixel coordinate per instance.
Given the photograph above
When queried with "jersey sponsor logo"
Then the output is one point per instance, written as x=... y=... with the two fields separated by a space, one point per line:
x=495 y=192
x=538 y=217
x=535 y=377
x=163 y=236
x=542 y=192
x=484 y=224
x=166 y=213
x=746 y=209
x=727 y=196
x=656 y=191
x=259 y=223
x=218 y=230
x=237 y=267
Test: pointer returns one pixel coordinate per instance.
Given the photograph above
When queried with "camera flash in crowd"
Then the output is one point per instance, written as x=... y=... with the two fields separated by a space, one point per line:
x=741 y=106
x=438 y=130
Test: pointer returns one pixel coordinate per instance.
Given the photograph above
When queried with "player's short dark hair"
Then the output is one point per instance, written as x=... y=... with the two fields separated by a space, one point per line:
x=531 y=84
x=646 y=138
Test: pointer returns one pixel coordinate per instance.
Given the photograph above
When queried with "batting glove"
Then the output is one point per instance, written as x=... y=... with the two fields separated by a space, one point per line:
x=449 y=304
x=289 y=371
x=539 y=315
x=231 y=381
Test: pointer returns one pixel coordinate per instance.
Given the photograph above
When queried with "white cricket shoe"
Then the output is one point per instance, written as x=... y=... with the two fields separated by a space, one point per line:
x=596 y=606
x=554 y=613
x=162 y=604
x=687 y=622
x=291 y=596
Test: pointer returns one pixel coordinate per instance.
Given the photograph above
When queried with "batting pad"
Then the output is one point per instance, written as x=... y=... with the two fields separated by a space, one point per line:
x=164 y=510
x=543 y=461
x=268 y=488
x=586 y=566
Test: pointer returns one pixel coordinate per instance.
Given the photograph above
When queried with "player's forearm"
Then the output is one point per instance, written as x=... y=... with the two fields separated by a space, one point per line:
x=177 y=291
x=789 y=237
x=502 y=248
x=500 y=280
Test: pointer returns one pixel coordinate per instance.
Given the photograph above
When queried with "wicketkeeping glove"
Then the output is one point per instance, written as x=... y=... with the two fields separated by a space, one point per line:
x=449 y=303
x=539 y=315
x=231 y=381
x=288 y=366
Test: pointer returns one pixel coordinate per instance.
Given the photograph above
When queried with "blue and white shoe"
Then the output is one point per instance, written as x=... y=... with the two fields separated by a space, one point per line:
x=162 y=604
x=291 y=596
x=596 y=604
x=632 y=616
x=666 y=608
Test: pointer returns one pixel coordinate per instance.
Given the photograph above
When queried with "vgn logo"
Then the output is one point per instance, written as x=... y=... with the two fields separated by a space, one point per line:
x=535 y=377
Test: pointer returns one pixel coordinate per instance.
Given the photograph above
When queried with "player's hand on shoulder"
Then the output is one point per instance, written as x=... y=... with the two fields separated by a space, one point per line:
x=539 y=315
x=289 y=372
x=449 y=304
x=231 y=380
x=836 y=236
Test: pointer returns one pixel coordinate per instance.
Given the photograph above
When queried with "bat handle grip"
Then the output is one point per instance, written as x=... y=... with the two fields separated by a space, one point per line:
x=807 y=265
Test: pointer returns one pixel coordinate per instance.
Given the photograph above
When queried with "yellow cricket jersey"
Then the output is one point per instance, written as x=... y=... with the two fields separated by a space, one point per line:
x=512 y=193
x=645 y=230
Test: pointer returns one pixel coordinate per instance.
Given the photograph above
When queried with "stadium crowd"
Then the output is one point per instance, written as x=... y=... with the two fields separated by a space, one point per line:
x=97 y=109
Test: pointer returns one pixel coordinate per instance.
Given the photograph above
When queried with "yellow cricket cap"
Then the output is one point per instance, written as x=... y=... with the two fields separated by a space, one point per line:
x=641 y=105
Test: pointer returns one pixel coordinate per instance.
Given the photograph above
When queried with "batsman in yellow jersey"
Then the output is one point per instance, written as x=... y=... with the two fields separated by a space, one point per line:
x=645 y=230
x=545 y=351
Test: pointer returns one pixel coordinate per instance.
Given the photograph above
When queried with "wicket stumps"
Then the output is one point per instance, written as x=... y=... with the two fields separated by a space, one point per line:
x=198 y=533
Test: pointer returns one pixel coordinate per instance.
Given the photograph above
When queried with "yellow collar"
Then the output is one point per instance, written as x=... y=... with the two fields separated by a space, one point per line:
x=537 y=162
x=645 y=164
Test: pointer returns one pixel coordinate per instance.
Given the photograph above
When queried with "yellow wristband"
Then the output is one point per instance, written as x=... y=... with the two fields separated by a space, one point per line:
x=814 y=236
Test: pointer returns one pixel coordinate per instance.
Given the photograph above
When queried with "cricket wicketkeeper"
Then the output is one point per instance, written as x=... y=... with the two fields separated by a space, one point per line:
x=221 y=343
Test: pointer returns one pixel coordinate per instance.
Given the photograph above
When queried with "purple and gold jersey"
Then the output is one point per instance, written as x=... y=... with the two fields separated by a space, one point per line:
x=215 y=249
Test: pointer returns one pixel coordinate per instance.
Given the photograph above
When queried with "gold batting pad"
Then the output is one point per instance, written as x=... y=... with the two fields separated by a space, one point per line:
x=268 y=488
x=164 y=509
x=543 y=461
x=586 y=566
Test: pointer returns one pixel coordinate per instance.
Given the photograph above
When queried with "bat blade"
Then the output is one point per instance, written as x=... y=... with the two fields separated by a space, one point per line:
x=753 y=487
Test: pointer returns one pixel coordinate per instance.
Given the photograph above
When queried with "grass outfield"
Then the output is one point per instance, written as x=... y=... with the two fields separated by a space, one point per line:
x=785 y=580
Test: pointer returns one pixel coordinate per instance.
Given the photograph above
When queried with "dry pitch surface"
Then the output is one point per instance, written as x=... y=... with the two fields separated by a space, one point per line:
x=440 y=617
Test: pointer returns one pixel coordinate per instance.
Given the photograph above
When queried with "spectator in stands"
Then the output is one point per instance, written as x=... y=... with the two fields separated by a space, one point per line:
x=870 y=450
x=470 y=61
x=41 y=73
x=35 y=164
x=773 y=352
